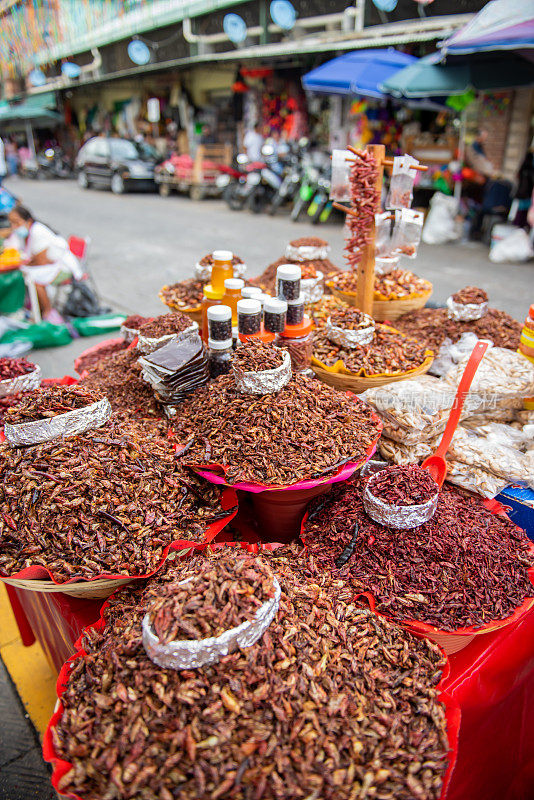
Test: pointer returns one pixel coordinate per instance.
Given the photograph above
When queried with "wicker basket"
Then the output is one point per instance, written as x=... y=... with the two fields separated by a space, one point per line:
x=385 y=309
x=98 y=589
x=194 y=312
x=359 y=383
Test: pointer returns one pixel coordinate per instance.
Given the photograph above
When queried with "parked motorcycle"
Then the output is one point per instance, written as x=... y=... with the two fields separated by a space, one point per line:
x=314 y=163
x=238 y=187
x=51 y=163
x=320 y=207
x=291 y=177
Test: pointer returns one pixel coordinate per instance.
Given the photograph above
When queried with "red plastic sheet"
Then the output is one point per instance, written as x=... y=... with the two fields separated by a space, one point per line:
x=493 y=681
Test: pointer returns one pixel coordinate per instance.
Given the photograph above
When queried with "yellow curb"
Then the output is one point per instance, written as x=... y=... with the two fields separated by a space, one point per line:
x=29 y=670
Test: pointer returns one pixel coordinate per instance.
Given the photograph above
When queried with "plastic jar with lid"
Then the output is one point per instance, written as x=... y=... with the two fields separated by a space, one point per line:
x=210 y=298
x=288 y=282
x=298 y=341
x=251 y=292
x=295 y=311
x=220 y=355
x=222 y=269
x=274 y=315
x=248 y=317
x=232 y=293
x=219 y=323
x=526 y=344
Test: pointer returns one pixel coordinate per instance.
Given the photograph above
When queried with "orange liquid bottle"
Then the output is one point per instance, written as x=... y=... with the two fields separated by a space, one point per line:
x=221 y=270
x=232 y=293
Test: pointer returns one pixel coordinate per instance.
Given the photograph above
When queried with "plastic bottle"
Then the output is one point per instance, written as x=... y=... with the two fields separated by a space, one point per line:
x=220 y=357
x=274 y=315
x=222 y=269
x=288 y=282
x=210 y=298
x=297 y=339
x=232 y=293
x=526 y=345
x=219 y=323
x=249 y=321
x=250 y=292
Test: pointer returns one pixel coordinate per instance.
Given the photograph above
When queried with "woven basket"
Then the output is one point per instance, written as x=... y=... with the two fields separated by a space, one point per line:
x=385 y=309
x=87 y=590
x=194 y=312
x=358 y=384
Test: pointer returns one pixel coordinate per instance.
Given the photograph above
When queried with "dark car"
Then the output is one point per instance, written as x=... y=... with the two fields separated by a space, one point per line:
x=119 y=164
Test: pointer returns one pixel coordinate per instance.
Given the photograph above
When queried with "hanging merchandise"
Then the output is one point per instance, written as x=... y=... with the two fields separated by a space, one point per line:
x=400 y=193
x=407 y=232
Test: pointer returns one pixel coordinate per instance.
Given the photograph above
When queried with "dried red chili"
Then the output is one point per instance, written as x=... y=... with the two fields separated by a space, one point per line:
x=407 y=485
x=465 y=566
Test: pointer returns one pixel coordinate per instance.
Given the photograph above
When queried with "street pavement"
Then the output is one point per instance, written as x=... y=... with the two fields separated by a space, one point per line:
x=139 y=242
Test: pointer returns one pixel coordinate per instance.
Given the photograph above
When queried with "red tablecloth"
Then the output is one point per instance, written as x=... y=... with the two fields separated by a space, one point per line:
x=492 y=680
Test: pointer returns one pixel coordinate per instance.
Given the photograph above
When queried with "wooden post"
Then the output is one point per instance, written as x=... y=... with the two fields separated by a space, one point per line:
x=365 y=284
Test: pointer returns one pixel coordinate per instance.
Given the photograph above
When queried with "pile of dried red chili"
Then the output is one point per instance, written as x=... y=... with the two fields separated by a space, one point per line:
x=134 y=321
x=465 y=566
x=388 y=353
x=407 y=485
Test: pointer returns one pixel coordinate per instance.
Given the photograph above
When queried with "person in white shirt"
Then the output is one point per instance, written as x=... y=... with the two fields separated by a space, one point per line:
x=47 y=255
x=253 y=142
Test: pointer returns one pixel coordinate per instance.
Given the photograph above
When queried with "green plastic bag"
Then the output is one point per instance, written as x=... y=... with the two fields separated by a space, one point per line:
x=12 y=290
x=42 y=335
x=90 y=326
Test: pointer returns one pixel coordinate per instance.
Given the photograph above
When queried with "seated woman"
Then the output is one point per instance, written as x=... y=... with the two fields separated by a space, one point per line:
x=47 y=256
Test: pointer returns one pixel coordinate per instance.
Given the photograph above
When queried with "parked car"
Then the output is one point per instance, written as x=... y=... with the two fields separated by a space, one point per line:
x=119 y=164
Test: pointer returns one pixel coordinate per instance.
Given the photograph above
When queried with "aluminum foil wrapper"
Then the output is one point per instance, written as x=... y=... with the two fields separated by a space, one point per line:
x=385 y=265
x=267 y=381
x=203 y=273
x=307 y=252
x=465 y=312
x=312 y=289
x=192 y=653
x=22 y=383
x=128 y=334
x=350 y=338
x=398 y=516
x=60 y=426
x=147 y=345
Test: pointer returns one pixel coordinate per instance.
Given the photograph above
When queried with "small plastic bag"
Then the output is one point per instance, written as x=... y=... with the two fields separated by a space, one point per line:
x=398 y=453
x=407 y=232
x=339 y=185
x=400 y=194
x=475 y=479
x=383 y=235
x=450 y=353
x=498 y=459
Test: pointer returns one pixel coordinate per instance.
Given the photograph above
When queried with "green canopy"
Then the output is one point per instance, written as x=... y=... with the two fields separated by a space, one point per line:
x=487 y=72
x=39 y=109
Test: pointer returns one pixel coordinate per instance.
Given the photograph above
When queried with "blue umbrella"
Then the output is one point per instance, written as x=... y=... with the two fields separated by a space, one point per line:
x=360 y=72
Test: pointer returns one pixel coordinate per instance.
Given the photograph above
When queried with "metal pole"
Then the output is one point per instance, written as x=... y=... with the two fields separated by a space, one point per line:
x=31 y=142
